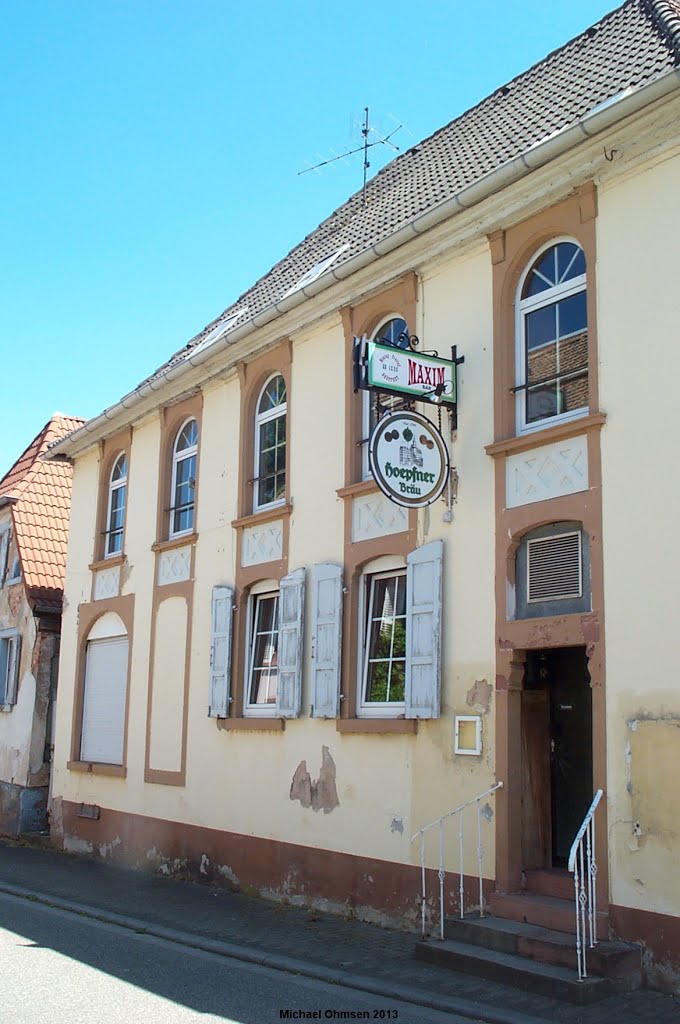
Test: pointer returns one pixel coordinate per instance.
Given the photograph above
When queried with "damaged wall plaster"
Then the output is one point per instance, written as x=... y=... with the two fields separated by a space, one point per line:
x=321 y=794
x=479 y=696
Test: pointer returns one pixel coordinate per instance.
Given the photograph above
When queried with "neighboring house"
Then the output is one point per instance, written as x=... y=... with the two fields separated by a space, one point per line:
x=272 y=675
x=35 y=499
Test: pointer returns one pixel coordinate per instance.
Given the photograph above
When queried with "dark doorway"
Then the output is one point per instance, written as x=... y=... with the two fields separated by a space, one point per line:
x=557 y=753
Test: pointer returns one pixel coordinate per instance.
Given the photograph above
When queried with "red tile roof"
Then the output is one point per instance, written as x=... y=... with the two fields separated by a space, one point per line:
x=42 y=493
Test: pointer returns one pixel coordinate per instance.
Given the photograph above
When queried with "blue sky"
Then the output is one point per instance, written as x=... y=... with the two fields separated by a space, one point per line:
x=151 y=157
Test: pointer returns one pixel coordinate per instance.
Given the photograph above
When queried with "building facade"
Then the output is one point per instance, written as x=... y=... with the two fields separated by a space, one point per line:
x=272 y=676
x=35 y=497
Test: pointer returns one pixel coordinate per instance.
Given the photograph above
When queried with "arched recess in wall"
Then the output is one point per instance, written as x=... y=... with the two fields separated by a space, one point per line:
x=552 y=571
x=106 y=675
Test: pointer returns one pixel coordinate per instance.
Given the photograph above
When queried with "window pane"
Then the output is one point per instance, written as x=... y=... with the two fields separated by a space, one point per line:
x=398 y=681
x=571 y=262
x=542 y=364
x=394 y=332
x=377 y=683
x=274 y=395
x=541 y=326
x=572 y=314
x=264 y=650
x=399 y=640
x=188 y=436
x=119 y=470
x=542 y=401
x=541 y=275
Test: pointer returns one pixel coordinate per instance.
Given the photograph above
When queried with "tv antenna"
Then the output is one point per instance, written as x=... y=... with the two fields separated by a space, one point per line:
x=364 y=147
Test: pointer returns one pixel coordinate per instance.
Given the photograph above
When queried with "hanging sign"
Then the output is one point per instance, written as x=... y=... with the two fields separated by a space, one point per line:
x=408 y=459
x=409 y=373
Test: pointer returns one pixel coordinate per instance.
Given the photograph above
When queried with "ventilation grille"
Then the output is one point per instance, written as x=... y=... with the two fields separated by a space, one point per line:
x=554 y=568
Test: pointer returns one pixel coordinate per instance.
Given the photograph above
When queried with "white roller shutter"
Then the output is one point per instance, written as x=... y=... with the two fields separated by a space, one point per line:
x=327 y=641
x=291 y=620
x=423 y=630
x=106 y=666
x=220 y=651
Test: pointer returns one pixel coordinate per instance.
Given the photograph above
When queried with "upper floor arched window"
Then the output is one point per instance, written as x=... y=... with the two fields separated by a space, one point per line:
x=391 y=331
x=115 y=516
x=552 y=337
x=183 y=487
x=270 y=444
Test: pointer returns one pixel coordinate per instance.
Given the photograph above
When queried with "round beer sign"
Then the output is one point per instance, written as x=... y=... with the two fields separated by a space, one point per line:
x=408 y=459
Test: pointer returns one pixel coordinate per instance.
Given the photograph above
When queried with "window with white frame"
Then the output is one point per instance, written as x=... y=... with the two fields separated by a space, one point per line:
x=552 y=338
x=183 y=488
x=115 y=517
x=263 y=643
x=104 y=695
x=270 y=445
x=400 y=650
x=384 y=677
x=10 y=651
x=392 y=331
x=275 y=626
x=4 y=553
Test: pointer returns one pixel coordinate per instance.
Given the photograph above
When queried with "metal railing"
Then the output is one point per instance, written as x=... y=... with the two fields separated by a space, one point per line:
x=583 y=864
x=441 y=874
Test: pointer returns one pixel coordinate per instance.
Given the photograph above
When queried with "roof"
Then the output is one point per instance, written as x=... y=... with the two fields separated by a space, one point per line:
x=626 y=50
x=629 y=47
x=42 y=502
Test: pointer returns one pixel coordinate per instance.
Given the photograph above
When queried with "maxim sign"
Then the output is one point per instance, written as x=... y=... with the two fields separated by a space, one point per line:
x=409 y=373
x=408 y=459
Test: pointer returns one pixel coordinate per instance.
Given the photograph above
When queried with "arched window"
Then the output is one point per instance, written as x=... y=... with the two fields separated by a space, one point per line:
x=183 y=487
x=552 y=337
x=392 y=331
x=106 y=670
x=270 y=444
x=115 y=517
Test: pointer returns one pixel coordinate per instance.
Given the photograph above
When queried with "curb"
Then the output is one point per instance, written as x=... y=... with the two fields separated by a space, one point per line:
x=406 y=993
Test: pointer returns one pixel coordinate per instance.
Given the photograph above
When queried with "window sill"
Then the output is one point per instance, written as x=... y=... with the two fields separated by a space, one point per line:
x=354 y=490
x=108 y=563
x=97 y=768
x=403 y=726
x=175 y=542
x=265 y=516
x=536 y=438
x=6 y=708
x=252 y=724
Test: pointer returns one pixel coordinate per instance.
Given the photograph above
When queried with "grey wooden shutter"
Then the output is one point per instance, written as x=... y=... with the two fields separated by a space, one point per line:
x=220 y=651
x=327 y=642
x=4 y=547
x=14 y=657
x=291 y=620
x=423 y=630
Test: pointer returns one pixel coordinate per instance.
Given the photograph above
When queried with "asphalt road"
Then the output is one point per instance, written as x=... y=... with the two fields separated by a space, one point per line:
x=61 y=968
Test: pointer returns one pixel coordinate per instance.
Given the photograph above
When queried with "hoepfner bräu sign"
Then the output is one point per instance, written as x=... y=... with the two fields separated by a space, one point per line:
x=408 y=459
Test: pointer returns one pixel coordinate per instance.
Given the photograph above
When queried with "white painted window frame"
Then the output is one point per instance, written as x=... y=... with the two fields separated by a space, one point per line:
x=528 y=305
x=177 y=457
x=115 y=486
x=382 y=568
x=260 y=419
x=467 y=751
x=259 y=591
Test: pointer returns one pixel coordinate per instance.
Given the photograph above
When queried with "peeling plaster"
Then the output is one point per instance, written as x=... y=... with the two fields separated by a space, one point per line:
x=479 y=696
x=321 y=794
x=72 y=844
x=397 y=825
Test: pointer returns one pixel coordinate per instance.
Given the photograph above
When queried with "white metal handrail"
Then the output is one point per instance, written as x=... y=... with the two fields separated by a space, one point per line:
x=583 y=864
x=441 y=874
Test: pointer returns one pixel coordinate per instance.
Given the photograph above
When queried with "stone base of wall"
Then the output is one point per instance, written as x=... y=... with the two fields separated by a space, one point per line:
x=374 y=890
x=22 y=810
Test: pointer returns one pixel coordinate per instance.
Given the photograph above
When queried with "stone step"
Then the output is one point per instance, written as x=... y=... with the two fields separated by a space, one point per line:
x=550 y=882
x=543 y=979
x=531 y=908
x=616 y=960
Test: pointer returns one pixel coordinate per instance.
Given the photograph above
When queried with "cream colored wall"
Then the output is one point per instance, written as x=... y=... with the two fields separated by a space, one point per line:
x=638 y=329
x=388 y=786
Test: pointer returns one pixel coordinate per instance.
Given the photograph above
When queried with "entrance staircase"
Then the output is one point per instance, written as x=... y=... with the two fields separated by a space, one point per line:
x=544 y=938
x=528 y=941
